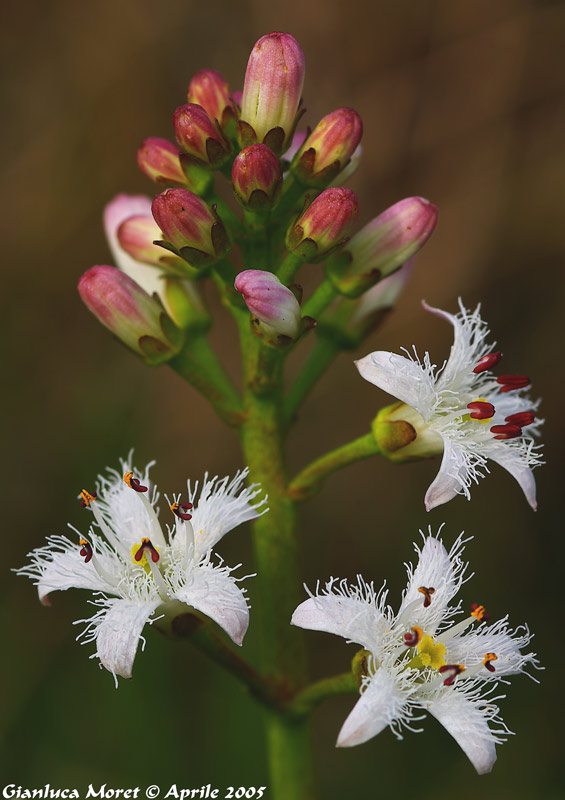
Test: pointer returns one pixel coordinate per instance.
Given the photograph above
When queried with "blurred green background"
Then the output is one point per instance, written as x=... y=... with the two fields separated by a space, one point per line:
x=462 y=103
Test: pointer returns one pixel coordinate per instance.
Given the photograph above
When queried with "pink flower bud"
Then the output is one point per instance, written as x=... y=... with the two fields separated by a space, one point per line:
x=136 y=236
x=199 y=136
x=271 y=92
x=159 y=160
x=137 y=319
x=383 y=296
x=210 y=90
x=190 y=226
x=328 y=148
x=325 y=225
x=256 y=177
x=275 y=306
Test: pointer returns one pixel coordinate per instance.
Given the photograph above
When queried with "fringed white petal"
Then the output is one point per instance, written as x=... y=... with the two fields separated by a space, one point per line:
x=401 y=377
x=214 y=592
x=459 y=469
x=223 y=505
x=382 y=703
x=467 y=721
x=506 y=643
x=518 y=462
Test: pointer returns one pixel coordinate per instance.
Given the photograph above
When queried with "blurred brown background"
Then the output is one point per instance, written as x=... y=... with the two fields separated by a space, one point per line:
x=462 y=103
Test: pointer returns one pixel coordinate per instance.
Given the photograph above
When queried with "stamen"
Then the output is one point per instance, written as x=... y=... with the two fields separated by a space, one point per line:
x=451 y=671
x=86 y=498
x=181 y=509
x=427 y=591
x=481 y=410
x=507 y=431
x=488 y=362
x=510 y=382
x=146 y=546
x=488 y=659
x=522 y=419
x=86 y=550
x=134 y=483
x=412 y=638
x=479 y=612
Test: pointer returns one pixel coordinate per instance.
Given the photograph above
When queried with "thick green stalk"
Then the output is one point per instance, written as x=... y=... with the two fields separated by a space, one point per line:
x=289 y=268
x=310 y=479
x=320 y=300
x=277 y=563
x=309 y=698
x=320 y=358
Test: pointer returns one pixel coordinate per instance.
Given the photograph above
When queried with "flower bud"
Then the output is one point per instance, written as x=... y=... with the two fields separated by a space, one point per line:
x=275 y=306
x=137 y=319
x=402 y=434
x=159 y=160
x=199 y=137
x=383 y=245
x=324 y=226
x=256 y=177
x=136 y=236
x=328 y=148
x=271 y=92
x=190 y=226
x=382 y=297
x=350 y=169
x=210 y=90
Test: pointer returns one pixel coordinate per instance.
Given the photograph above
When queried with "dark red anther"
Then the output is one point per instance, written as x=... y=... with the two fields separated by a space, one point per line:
x=86 y=498
x=86 y=550
x=506 y=431
x=522 y=419
x=134 y=483
x=481 y=409
x=511 y=382
x=451 y=671
x=427 y=591
x=488 y=362
x=146 y=546
x=478 y=611
x=181 y=510
x=488 y=659
x=413 y=636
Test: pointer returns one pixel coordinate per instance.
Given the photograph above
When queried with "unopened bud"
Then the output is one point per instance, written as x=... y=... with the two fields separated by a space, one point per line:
x=190 y=226
x=328 y=148
x=159 y=160
x=137 y=319
x=210 y=90
x=199 y=136
x=383 y=245
x=350 y=168
x=382 y=297
x=272 y=303
x=324 y=226
x=256 y=177
x=401 y=433
x=272 y=91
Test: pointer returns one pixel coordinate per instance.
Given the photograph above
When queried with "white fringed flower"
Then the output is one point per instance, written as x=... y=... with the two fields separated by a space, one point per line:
x=460 y=410
x=127 y=555
x=419 y=659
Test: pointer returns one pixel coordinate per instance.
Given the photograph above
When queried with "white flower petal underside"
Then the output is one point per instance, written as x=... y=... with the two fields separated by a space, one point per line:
x=400 y=377
x=212 y=591
x=517 y=466
x=380 y=705
x=466 y=721
x=452 y=478
x=117 y=630
x=351 y=617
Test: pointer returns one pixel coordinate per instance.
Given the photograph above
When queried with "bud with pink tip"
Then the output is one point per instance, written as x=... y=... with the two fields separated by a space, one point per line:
x=159 y=160
x=324 y=226
x=275 y=306
x=210 y=90
x=328 y=148
x=191 y=229
x=272 y=91
x=199 y=137
x=256 y=177
x=137 y=319
x=383 y=245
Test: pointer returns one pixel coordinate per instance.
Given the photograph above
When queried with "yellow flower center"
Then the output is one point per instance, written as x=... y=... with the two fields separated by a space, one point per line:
x=430 y=653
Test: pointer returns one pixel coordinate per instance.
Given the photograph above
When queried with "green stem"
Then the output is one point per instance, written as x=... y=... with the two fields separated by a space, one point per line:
x=199 y=365
x=228 y=217
x=320 y=300
x=277 y=562
x=308 y=699
x=320 y=358
x=309 y=480
x=289 y=268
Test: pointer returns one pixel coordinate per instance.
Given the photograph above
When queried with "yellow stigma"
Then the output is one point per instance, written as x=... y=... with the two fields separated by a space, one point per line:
x=430 y=653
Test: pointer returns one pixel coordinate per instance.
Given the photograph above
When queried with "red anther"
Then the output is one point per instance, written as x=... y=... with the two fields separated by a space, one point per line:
x=427 y=591
x=488 y=659
x=86 y=498
x=510 y=382
x=413 y=636
x=506 y=431
x=478 y=611
x=181 y=509
x=86 y=550
x=481 y=409
x=488 y=362
x=134 y=483
x=451 y=671
x=522 y=418
x=147 y=546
